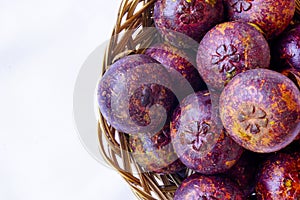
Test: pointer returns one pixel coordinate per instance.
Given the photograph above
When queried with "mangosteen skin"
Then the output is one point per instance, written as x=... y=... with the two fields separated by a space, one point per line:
x=196 y=143
x=179 y=21
x=260 y=109
x=198 y=186
x=229 y=49
x=286 y=49
x=272 y=16
x=181 y=65
x=132 y=94
x=279 y=177
x=293 y=74
x=155 y=153
x=244 y=172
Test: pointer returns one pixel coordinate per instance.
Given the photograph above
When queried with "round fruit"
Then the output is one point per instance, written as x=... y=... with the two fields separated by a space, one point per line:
x=228 y=49
x=181 y=66
x=244 y=172
x=272 y=16
x=199 y=186
x=133 y=95
x=279 y=177
x=293 y=74
x=286 y=50
x=155 y=153
x=260 y=109
x=180 y=21
x=195 y=140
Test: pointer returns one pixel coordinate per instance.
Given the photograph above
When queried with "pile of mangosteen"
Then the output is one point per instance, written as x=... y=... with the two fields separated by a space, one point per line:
x=219 y=96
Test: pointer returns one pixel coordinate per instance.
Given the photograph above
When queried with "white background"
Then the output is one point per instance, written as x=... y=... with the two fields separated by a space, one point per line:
x=42 y=47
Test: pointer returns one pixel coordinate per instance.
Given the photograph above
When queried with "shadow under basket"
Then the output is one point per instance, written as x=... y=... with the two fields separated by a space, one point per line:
x=132 y=35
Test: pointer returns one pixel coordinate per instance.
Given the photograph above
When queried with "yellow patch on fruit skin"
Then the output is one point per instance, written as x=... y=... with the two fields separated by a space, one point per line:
x=288 y=183
x=272 y=122
x=230 y=163
x=267 y=141
x=189 y=1
x=237 y=129
x=223 y=26
x=211 y=2
x=286 y=97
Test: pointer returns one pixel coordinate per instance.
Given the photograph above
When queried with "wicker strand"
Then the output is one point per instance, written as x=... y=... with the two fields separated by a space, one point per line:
x=297 y=8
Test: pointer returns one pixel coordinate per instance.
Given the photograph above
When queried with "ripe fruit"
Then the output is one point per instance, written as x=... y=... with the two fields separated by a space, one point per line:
x=293 y=74
x=244 y=172
x=199 y=146
x=133 y=95
x=181 y=66
x=286 y=50
x=184 y=22
x=199 y=186
x=279 y=177
x=272 y=16
x=228 y=49
x=225 y=51
x=260 y=109
x=155 y=153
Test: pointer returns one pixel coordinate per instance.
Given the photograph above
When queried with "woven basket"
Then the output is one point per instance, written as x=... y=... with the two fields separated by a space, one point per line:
x=298 y=8
x=127 y=38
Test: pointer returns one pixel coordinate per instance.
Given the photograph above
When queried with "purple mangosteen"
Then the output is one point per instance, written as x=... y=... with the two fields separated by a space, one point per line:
x=198 y=186
x=134 y=95
x=197 y=144
x=184 y=22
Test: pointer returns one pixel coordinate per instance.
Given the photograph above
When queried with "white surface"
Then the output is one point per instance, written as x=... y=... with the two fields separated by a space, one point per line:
x=42 y=47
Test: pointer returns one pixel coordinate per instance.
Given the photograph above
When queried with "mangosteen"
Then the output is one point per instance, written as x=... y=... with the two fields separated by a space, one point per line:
x=272 y=16
x=225 y=51
x=184 y=22
x=228 y=49
x=244 y=172
x=197 y=143
x=201 y=187
x=286 y=49
x=260 y=109
x=181 y=65
x=279 y=177
x=293 y=74
x=134 y=95
x=154 y=152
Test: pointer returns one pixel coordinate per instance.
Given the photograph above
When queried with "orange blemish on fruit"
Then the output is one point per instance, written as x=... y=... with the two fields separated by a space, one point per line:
x=211 y=2
x=230 y=163
x=288 y=183
x=286 y=94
